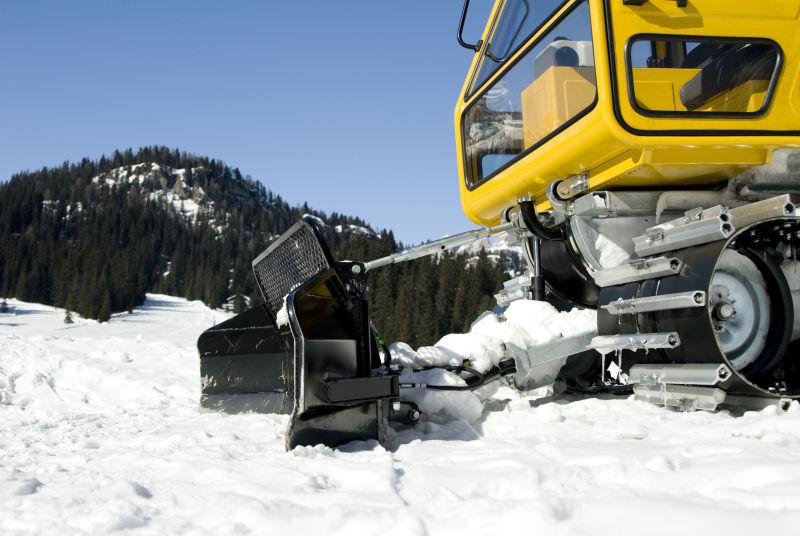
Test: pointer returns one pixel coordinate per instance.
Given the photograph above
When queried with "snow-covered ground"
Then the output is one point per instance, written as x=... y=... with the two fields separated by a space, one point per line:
x=100 y=431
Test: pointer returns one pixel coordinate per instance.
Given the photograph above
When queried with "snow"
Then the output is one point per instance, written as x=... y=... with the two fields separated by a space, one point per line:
x=282 y=318
x=187 y=207
x=610 y=254
x=356 y=229
x=524 y=323
x=319 y=221
x=101 y=433
x=189 y=200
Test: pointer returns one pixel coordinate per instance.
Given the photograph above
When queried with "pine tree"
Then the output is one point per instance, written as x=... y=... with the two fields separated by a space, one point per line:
x=100 y=249
x=104 y=313
x=68 y=317
x=238 y=303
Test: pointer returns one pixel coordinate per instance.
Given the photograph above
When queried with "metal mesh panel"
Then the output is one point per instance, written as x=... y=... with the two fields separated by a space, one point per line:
x=296 y=259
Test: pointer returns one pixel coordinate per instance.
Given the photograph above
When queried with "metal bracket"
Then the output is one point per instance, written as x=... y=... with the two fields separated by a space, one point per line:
x=571 y=187
x=693 y=215
x=781 y=206
x=637 y=270
x=686 y=397
x=539 y=365
x=692 y=397
x=681 y=233
x=684 y=374
x=664 y=302
x=635 y=341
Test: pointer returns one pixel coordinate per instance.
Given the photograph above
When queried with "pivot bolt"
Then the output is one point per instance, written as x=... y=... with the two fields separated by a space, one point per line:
x=414 y=415
x=356 y=269
x=724 y=311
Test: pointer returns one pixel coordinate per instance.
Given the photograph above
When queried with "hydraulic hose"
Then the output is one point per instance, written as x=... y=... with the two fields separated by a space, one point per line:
x=528 y=212
x=501 y=369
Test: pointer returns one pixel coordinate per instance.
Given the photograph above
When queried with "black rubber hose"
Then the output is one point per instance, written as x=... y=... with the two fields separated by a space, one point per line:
x=528 y=212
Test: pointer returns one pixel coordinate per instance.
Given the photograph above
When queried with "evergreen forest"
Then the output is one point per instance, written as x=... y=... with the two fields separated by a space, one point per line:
x=95 y=236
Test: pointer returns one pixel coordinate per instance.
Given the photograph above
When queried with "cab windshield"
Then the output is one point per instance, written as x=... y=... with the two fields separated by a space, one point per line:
x=546 y=89
x=515 y=23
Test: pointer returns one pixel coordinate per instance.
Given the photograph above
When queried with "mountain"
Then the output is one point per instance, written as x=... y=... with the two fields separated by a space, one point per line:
x=95 y=236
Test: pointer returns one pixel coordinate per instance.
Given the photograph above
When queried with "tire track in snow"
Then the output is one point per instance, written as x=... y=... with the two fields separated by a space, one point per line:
x=396 y=482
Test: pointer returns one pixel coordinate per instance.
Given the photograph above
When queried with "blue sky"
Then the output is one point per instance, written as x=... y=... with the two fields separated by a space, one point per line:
x=347 y=105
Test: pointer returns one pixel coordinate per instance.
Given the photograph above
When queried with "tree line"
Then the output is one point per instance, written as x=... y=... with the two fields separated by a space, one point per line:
x=69 y=238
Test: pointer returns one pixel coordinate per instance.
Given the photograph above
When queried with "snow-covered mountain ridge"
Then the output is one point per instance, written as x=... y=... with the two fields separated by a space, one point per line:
x=96 y=235
x=102 y=433
x=179 y=188
x=170 y=186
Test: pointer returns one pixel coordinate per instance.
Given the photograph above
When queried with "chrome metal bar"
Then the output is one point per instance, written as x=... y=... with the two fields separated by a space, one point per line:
x=682 y=233
x=539 y=365
x=436 y=246
x=637 y=271
x=774 y=207
x=687 y=397
x=665 y=302
x=635 y=341
x=686 y=374
x=757 y=403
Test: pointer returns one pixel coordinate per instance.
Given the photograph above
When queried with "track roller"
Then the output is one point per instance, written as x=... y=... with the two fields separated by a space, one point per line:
x=730 y=304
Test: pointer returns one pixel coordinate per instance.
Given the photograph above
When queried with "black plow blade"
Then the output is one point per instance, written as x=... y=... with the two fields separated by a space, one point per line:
x=307 y=351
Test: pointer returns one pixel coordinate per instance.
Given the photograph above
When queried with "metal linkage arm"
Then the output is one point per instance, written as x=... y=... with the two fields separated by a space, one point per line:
x=442 y=244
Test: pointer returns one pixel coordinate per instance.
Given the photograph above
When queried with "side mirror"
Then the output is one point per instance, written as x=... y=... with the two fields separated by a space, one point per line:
x=477 y=46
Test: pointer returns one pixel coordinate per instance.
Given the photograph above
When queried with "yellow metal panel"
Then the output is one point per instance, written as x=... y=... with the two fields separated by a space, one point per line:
x=615 y=157
x=770 y=19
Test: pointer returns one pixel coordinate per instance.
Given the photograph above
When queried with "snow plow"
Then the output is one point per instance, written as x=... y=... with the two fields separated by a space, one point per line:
x=648 y=170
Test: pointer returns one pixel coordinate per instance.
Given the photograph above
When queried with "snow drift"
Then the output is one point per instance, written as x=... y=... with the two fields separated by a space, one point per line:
x=101 y=433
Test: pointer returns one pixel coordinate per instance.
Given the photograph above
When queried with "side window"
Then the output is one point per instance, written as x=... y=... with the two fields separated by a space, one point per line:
x=516 y=22
x=674 y=76
x=551 y=84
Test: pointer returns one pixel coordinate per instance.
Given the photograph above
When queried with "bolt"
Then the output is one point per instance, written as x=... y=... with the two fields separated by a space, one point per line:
x=356 y=269
x=414 y=415
x=723 y=373
x=699 y=298
x=563 y=190
x=724 y=311
x=396 y=406
x=672 y=340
